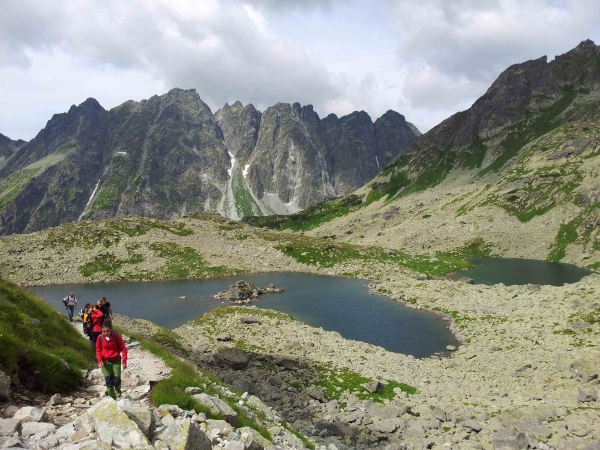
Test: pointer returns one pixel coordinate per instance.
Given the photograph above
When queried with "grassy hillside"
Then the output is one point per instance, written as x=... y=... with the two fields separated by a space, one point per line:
x=48 y=355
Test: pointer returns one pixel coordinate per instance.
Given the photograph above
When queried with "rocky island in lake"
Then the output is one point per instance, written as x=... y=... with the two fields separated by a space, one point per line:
x=245 y=292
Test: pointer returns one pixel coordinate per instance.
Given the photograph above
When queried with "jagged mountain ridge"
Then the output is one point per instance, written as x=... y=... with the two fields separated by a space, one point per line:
x=169 y=156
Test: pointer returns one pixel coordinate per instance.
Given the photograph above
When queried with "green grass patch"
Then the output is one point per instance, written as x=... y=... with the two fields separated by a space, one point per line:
x=184 y=262
x=107 y=263
x=48 y=357
x=434 y=174
x=245 y=204
x=476 y=248
x=311 y=217
x=324 y=253
x=336 y=382
x=13 y=185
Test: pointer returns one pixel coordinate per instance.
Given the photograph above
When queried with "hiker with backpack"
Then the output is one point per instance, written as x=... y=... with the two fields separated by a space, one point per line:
x=70 y=302
x=86 y=317
x=111 y=354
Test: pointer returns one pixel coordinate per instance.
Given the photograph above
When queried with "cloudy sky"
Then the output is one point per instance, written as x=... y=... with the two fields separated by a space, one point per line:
x=426 y=59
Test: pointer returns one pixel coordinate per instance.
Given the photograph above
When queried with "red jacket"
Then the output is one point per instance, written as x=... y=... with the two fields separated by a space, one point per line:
x=97 y=317
x=110 y=349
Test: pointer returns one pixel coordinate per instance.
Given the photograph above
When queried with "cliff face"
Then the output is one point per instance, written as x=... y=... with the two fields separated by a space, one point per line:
x=169 y=156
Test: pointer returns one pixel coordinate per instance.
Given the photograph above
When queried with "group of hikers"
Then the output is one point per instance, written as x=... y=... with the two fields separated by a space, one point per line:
x=111 y=351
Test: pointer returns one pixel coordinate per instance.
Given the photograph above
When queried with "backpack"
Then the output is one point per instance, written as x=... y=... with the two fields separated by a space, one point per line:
x=87 y=322
x=114 y=335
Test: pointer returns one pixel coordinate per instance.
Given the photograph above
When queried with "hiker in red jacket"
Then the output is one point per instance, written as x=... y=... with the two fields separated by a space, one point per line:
x=97 y=317
x=109 y=348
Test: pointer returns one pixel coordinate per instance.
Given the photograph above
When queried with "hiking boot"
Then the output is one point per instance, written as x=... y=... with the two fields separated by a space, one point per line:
x=110 y=392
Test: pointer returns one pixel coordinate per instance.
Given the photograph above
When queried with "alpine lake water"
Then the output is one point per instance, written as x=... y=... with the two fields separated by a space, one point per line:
x=333 y=303
x=511 y=271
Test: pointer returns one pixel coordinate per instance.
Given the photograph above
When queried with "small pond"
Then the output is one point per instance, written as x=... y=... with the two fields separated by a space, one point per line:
x=511 y=271
x=333 y=303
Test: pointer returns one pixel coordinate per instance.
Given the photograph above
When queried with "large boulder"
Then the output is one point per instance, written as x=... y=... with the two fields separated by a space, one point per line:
x=9 y=426
x=114 y=427
x=288 y=363
x=143 y=418
x=185 y=435
x=507 y=441
x=217 y=407
x=587 y=369
x=31 y=428
x=317 y=393
x=30 y=414
x=4 y=386
x=233 y=358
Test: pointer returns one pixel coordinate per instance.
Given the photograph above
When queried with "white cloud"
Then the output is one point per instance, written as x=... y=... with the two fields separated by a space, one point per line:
x=454 y=50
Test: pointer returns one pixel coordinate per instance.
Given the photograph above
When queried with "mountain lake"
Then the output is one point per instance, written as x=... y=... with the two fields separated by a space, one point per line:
x=333 y=303
x=511 y=271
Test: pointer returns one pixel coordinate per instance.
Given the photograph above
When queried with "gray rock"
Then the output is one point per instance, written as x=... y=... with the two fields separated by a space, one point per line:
x=506 y=441
x=233 y=358
x=143 y=418
x=234 y=445
x=472 y=424
x=34 y=321
x=174 y=410
x=9 y=426
x=31 y=428
x=253 y=440
x=336 y=428
x=288 y=363
x=54 y=400
x=451 y=348
x=249 y=320
x=192 y=390
x=387 y=425
x=352 y=417
x=440 y=414
x=373 y=386
x=587 y=394
x=466 y=280
x=218 y=407
x=30 y=414
x=4 y=386
x=223 y=428
x=114 y=427
x=185 y=435
x=317 y=393
x=15 y=442
x=10 y=411
x=586 y=369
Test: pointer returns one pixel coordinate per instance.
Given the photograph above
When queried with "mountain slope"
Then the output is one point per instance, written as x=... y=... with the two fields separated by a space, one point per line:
x=518 y=170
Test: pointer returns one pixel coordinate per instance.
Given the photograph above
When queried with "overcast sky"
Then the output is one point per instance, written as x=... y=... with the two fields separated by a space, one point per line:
x=426 y=59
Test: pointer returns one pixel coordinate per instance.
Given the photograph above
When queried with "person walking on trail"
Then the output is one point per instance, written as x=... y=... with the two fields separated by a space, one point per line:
x=111 y=354
x=70 y=302
x=97 y=319
x=106 y=308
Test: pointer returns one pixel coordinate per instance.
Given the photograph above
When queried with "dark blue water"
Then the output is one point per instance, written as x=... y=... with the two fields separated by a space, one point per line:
x=335 y=304
x=511 y=271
